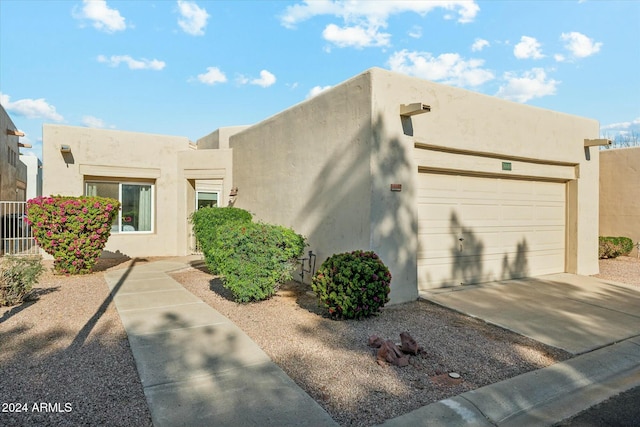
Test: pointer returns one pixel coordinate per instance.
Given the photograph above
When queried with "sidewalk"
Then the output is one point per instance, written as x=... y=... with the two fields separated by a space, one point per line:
x=197 y=368
x=538 y=398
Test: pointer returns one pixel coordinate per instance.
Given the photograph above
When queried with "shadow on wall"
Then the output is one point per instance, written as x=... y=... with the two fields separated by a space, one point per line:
x=468 y=264
x=466 y=254
x=357 y=208
x=519 y=267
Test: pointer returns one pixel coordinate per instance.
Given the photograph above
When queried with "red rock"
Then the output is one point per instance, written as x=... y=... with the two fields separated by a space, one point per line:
x=375 y=341
x=409 y=345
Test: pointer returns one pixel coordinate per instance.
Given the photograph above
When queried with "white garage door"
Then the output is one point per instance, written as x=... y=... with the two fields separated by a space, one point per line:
x=475 y=229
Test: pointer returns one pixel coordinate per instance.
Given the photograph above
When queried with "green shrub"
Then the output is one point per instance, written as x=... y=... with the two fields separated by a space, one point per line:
x=72 y=229
x=254 y=258
x=17 y=277
x=206 y=222
x=352 y=285
x=613 y=247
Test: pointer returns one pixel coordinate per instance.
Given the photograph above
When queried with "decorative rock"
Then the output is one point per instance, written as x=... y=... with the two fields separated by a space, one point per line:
x=390 y=353
x=454 y=375
x=409 y=345
x=375 y=341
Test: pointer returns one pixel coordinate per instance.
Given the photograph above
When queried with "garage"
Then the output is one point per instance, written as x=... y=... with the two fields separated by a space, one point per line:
x=474 y=229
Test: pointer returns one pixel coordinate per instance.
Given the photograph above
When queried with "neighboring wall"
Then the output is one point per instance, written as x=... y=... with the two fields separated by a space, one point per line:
x=126 y=156
x=13 y=173
x=308 y=168
x=219 y=138
x=620 y=193
x=34 y=176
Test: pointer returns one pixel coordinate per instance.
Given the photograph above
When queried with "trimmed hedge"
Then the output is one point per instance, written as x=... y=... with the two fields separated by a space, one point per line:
x=72 y=229
x=254 y=258
x=352 y=285
x=206 y=222
x=613 y=247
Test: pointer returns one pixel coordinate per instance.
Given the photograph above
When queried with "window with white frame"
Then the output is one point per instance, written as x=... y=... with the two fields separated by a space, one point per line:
x=207 y=199
x=136 y=199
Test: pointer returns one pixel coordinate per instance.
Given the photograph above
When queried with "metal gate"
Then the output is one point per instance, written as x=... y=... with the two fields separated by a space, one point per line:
x=16 y=237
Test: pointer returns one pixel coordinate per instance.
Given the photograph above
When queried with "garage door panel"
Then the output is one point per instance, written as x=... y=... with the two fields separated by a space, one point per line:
x=510 y=228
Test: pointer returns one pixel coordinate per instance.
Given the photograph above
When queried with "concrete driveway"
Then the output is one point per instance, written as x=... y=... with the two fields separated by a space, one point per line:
x=575 y=313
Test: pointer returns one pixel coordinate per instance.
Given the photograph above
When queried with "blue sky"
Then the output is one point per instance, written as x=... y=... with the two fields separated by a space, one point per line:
x=189 y=67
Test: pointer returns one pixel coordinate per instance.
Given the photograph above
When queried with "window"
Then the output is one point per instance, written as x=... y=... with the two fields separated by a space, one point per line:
x=136 y=212
x=206 y=199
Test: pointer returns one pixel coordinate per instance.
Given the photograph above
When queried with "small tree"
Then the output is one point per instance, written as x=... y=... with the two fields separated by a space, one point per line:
x=17 y=277
x=72 y=229
x=626 y=140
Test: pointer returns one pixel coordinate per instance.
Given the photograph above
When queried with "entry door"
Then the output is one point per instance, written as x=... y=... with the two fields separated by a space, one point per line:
x=477 y=229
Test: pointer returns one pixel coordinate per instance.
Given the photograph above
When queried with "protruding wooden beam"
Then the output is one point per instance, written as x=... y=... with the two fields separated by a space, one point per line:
x=14 y=132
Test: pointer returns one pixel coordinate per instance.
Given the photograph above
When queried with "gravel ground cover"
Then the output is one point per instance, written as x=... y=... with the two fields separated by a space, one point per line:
x=65 y=358
x=332 y=362
x=623 y=269
x=69 y=351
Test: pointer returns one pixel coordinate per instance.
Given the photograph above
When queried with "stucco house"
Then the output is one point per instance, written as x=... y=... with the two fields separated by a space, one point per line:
x=448 y=186
x=13 y=173
x=620 y=193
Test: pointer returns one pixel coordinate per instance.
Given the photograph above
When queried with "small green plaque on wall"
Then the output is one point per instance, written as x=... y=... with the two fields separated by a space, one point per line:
x=506 y=166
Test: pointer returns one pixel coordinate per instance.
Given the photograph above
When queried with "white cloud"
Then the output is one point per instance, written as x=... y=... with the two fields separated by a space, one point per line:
x=104 y=18
x=31 y=108
x=194 y=18
x=528 y=47
x=447 y=68
x=316 y=90
x=133 y=64
x=266 y=79
x=356 y=36
x=212 y=76
x=580 y=45
x=93 y=122
x=363 y=19
x=559 y=57
x=415 y=32
x=632 y=125
x=479 y=44
x=241 y=79
x=531 y=84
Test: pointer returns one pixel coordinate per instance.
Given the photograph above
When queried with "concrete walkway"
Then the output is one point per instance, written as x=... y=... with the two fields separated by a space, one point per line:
x=198 y=368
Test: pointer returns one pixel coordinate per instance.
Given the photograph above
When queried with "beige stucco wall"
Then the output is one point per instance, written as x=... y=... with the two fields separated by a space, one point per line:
x=481 y=125
x=166 y=161
x=219 y=138
x=308 y=168
x=197 y=165
x=324 y=166
x=620 y=193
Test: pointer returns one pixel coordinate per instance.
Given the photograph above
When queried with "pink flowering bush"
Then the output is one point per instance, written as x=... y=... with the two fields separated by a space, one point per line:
x=72 y=229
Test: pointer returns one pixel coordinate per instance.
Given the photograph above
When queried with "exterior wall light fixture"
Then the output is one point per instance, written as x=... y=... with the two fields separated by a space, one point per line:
x=65 y=149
